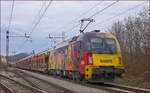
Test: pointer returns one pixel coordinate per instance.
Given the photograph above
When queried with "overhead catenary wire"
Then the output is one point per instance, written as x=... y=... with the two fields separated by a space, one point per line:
x=69 y=30
x=46 y=46
x=107 y=19
x=104 y=9
x=96 y=5
x=39 y=12
x=22 y=45
x=95 y=14
x=10 y=20
x=41 y=17
x=110 y=18
x=84 y=13
x=98 y=12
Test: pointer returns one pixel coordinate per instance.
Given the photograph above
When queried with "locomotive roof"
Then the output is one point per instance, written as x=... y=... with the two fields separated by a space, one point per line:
x=102 y=34
x=66 y=42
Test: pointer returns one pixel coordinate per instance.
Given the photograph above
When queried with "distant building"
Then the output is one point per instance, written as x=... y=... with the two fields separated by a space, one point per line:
x=3 y=60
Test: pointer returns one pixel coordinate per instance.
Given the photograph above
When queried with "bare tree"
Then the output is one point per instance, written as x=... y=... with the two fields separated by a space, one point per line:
x=133 y=36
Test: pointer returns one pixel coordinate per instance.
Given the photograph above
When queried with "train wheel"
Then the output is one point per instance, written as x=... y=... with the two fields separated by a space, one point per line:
x=74 y=76
x=82 y=78
x=77 y=77
x=61 y=73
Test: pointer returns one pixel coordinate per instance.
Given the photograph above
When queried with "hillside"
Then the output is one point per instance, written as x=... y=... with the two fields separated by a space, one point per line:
x=14 y=58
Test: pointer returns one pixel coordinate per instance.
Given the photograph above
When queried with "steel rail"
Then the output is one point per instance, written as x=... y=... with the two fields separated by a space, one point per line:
x=128 y=87
x=35 y=90
x=68 y=91
x=115 y=90
x=27 y=80
x=110 y=86
x=8 y=90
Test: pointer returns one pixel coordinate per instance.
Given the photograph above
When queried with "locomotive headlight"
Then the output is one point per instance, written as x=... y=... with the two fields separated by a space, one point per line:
x=82 y=62
x=90 y=60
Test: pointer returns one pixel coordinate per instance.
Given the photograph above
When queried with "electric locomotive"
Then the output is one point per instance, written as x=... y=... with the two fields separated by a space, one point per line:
x=91 y=56
x=101 y=57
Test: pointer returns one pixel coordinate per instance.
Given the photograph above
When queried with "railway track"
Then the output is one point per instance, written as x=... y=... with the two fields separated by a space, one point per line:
x=5 y=89
x=113 y=87
x=131 y=88
x=110 y=87
x=41 y=84
x=9 y=85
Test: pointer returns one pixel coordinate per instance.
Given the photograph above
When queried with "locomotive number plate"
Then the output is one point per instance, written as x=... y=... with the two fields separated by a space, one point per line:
x=106 y=61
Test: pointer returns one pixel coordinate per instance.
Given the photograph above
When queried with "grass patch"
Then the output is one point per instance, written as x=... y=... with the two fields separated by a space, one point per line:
x=138 y=82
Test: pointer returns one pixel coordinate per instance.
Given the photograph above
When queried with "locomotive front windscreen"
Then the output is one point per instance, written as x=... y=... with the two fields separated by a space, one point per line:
x=103 y=45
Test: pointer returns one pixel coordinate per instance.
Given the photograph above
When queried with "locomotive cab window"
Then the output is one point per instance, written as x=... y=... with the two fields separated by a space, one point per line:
x=96 y=43
x=103 y=45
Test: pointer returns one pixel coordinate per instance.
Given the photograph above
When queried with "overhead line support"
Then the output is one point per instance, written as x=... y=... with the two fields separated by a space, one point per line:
x=7 y=44
x=7 y=47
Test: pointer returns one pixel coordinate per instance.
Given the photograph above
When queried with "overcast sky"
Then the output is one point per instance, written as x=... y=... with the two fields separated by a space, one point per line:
x=57 y=19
